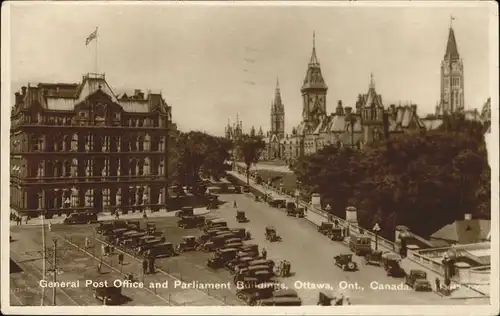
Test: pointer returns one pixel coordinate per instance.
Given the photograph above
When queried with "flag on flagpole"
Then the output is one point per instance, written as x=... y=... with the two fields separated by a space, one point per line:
x=92 y=36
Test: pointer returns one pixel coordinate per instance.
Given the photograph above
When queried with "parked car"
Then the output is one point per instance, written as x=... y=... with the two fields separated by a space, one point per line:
x=417 y=279
x=80 y=218
x=345 y=262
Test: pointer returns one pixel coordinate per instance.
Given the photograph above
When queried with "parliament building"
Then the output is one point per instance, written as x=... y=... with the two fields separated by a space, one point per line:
x=80 y=147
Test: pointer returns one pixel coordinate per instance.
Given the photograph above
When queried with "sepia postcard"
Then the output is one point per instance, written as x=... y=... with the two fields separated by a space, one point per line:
x=250 y=158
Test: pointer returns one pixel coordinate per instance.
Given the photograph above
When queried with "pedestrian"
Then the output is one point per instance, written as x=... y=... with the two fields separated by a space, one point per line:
x=19 y=220
x=26 y=222
x=87 y=243
x=120 y=259
x=117 y=215
x=145 y=266
x=264 y=253
x=144 y=215
x=103 y=249
x=151 y=265
x=438 y=285
x=234 y=204
x=99 y=266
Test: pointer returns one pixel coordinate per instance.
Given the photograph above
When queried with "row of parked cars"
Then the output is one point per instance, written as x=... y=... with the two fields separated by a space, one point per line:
x=242 y=260
x=360 y=244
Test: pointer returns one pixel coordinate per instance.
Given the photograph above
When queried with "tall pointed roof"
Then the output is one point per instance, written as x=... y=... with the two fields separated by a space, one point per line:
x=451 y=47
x=314 y=78
x=313 y=62
x=277 y=103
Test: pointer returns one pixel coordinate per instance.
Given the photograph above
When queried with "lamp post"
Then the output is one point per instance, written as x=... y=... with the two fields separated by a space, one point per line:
x=328 y=209
x=376 y=229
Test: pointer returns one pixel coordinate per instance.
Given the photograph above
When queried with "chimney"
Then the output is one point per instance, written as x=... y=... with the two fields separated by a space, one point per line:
x=19 y=97
x=340 y=109
x=348 y=110
x=467 y=216
x=414 y=108
x=23 y=89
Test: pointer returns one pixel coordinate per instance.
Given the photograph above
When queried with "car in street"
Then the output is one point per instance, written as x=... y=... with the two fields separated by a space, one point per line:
x=345 y=262
x=417 y=279
x=81 y=218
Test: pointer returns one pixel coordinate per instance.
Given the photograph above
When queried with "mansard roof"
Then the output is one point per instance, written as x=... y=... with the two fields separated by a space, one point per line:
x=64 y=96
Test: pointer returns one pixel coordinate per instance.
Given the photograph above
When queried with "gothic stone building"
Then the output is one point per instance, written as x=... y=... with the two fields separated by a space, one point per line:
x=79 y=147
x=369 y=121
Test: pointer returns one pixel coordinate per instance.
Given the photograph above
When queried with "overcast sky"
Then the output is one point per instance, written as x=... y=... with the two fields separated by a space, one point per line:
x=212 y=62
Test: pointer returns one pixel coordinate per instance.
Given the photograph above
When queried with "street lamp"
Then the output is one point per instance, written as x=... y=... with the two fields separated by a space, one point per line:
x=328 y=210
x=376 y=229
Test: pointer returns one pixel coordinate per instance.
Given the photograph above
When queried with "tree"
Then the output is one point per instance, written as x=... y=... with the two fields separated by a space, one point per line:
x=250 y=149
x=422 y=181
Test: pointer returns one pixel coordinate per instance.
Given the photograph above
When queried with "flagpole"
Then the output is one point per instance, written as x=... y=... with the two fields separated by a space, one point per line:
x=96 y=39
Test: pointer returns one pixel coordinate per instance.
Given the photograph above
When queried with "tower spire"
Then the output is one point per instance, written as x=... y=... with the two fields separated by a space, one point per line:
x=314 y=58
x=372 y=82
x=451 y=46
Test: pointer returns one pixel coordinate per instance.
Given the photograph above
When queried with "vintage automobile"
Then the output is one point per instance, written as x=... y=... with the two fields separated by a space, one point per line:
x=112 y=235
x=187 y=222
x=185 y=211
x=221 y=258
x=235 y=245
x=239 y=263
x=296 y=212
x=106 y=292
x=212 y=245
x=290 y=206
x=271 y=234
x=391 y=265
x=246 y=188
x=252 y=294
x=260 y=273
x=325 y=299
x=134 y=224
x=238 y=189
x=261 y=262
x=140 y=250
x=241 y=217
x=325 y=228
x=345 y=262
x=373 y=258
x=81 y=218
x=360 y=244
x=277 y=202
x=250 y=248
x=241 y=233
x=280 y=301
x=336 y=234
x=417 y=279
x=150 y=227
x=165 y=249
x=104 y=227
x=214 y=223
x=188 y=243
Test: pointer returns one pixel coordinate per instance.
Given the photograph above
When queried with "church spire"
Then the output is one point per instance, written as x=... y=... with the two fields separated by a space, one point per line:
x=314 y=58
x=451 y=47
x=277 y=96
x=372 y=82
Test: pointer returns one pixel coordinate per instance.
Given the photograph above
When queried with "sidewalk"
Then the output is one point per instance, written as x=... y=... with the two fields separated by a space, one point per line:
x=460 y=291
x=108 y=216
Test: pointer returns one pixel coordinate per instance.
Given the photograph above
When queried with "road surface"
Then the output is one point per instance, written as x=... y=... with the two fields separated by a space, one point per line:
x=311 y=255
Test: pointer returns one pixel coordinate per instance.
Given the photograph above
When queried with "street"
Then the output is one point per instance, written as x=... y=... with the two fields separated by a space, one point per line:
x=311 y=255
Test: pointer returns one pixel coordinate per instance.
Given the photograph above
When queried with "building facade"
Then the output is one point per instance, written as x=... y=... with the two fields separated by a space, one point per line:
x=368 y=121
x=80 y=147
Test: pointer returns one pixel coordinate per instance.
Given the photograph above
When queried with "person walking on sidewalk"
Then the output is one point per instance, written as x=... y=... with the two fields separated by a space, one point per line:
x=144 y=266
x=117 y=215
x=99 y=266
x=120 y=259
x=87 y=243
x=264 y=253
x=234 y=204
x=438 y=285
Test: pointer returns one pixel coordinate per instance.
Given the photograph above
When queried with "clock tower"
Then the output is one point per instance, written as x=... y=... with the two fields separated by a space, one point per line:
x=313 y=91
x=278 y=114
x=452 y=79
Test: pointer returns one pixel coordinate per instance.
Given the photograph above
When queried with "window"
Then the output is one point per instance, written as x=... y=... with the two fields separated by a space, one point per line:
x=81 y=114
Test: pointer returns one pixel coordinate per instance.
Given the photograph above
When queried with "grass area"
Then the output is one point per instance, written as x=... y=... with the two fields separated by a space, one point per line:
x=289 y=179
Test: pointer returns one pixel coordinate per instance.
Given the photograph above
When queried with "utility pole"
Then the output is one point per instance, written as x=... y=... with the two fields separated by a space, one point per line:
x=55 y=273
x=44 y=259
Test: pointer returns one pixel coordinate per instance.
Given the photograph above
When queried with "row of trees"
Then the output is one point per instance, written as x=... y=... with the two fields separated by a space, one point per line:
x=197 y=153
x=422 y=181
